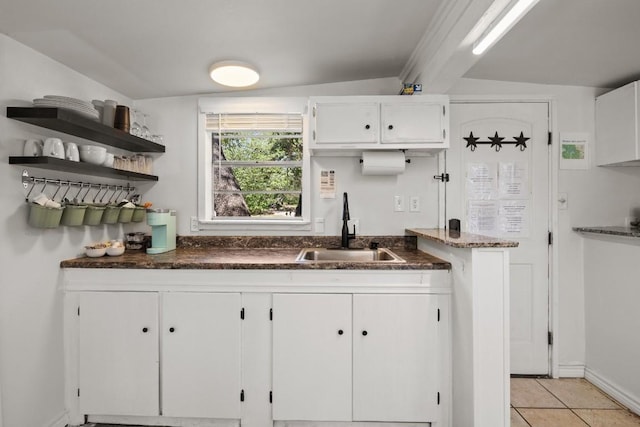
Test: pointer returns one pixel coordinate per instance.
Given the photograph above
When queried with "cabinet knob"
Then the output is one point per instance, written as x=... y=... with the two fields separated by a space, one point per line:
x=364 y=333
x=340 y=332
x=390 y=127
x=367 y=127
x=145 y=330
x=172 y=329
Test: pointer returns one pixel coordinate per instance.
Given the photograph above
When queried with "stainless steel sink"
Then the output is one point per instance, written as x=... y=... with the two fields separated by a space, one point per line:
x=348 y=255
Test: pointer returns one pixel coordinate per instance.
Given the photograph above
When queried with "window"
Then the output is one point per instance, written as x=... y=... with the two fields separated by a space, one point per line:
x=254 y=165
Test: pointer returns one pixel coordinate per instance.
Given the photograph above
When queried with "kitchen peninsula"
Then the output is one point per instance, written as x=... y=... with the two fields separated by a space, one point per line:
x=611 y=272
x=320 y=340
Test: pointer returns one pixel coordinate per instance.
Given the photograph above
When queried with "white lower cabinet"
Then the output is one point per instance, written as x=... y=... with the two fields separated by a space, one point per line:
x=118 y=353
x=395 y=357
x=200 y=355
x=152 y=356
x=128 y=347
x=361 y=357
x=312 y=357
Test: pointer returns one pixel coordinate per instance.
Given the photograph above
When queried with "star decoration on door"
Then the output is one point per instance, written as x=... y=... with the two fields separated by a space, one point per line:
x=496 y=141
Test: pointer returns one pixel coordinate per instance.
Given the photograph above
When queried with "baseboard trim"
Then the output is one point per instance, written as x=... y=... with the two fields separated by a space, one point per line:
x=61 y=420
x=571 y=371
x=613 y=390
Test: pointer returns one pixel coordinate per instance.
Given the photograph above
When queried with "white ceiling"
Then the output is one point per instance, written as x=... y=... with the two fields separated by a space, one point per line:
x=591 y=43
x=158 y=48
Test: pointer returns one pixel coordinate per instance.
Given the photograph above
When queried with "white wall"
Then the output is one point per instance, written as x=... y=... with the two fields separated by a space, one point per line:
x=31 y=339
x=597 y=196
x=370 y=197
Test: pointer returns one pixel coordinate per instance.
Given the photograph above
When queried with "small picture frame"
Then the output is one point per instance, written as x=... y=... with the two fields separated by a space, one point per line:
x=574 y=150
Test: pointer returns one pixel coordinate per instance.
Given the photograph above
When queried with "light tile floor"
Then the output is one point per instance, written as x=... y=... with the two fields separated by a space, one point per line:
x=565 y=402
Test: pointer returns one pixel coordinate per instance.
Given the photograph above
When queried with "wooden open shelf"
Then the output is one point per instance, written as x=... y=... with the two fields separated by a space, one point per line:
x=72 y=123
x=61 y=165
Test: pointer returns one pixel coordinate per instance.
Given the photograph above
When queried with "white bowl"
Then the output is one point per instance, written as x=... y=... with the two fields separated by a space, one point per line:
x=95 y=253
x=108 y=160
x=115 y=251
x=93 y=157
x=92 y=148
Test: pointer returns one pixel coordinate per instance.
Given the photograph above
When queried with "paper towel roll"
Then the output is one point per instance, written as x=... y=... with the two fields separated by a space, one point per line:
x=383 y=162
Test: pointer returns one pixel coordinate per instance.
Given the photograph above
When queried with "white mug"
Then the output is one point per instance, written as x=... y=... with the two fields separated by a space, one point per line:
x=53 y=148
x=71 y=152
x=32 y=148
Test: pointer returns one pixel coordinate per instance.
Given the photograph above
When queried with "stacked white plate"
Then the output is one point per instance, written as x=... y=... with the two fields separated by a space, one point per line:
x=81 y=107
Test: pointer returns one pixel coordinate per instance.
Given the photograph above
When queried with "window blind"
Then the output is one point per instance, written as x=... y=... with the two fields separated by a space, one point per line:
x=223 y=123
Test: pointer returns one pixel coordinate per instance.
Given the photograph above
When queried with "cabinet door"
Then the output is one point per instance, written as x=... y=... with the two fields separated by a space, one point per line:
x=312 y=357
x=346 y=123
x=395 y=358
x=118 y=353
x=201 y=355
x=412 y=122
x=617 y=118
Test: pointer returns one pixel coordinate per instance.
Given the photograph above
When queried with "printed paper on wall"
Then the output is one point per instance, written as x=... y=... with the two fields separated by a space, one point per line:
x=513 y=180
x=482 y=181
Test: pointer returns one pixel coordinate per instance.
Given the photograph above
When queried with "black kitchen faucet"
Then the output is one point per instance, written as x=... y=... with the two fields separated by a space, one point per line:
x=346 y=236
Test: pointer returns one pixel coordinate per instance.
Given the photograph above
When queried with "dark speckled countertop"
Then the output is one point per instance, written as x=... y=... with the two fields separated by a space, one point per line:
x=461 y=239
x=262 y=253
x=611 y=230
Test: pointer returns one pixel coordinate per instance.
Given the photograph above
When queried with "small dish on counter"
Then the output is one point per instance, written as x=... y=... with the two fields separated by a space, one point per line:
x=94 y=251
x=115 y=250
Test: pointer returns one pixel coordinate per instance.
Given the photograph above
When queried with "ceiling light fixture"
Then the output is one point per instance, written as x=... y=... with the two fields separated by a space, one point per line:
x=233 y=73
x=503 y=24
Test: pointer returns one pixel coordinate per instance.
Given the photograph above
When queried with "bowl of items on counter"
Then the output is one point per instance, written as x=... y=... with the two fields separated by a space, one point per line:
x=111 y=248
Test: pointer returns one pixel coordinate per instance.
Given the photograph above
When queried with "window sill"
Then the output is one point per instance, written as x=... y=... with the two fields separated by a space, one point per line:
x=254 y=225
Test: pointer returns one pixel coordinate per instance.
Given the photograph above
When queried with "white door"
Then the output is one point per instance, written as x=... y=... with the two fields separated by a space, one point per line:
x=118 y=350
x=395 y=358
x=312 y=357
x=505 y=193
x=201 y=355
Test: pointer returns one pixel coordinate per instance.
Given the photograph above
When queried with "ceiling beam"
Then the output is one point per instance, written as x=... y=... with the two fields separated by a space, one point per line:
x=443 y=55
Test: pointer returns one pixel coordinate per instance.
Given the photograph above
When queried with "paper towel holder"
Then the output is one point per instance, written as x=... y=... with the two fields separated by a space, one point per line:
x=406 y=161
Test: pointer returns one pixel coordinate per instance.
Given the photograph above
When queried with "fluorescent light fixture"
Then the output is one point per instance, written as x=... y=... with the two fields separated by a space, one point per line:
x=504 y=24
x=233 y=73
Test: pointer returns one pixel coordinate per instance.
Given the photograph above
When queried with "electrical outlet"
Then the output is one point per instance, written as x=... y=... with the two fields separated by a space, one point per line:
x=195 y=225
x=398 y=204
x=414 y=204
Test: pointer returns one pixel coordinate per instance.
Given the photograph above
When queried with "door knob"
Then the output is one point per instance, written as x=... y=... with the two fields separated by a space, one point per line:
x=145 y=330
x=172 y=329
x=364 y=333
x=340 y=332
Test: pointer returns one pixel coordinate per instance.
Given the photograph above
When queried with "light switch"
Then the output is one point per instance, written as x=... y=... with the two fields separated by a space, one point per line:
x=398 y=204
x=414 y=204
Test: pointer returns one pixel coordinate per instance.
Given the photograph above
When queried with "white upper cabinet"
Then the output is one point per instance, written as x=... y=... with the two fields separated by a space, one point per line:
x=413 y=122
x=346 y=123
x=379 y=122
x=617 y=122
